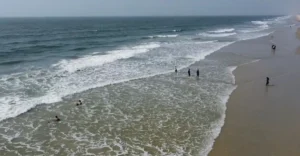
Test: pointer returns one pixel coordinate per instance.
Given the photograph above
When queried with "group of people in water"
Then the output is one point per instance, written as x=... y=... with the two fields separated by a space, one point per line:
x=198 y=74
x=189 y=72
x=57 y=119
x=79 y=103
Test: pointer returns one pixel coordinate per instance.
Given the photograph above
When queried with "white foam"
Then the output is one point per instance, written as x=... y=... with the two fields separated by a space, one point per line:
x=281 y=19
x=15 y=105
x=259 y=26
x=98 y=60
x=259 y=22
x=202 y=42
x=253 y=61
x=164 y=36
x=207 y=49
x=177 y=30
x=251 y=30
x=231 y=70
x=217 y=125
x=223 y=30
x=249 y=36
x=217 y=35
x=264 y=26
x=277 y=20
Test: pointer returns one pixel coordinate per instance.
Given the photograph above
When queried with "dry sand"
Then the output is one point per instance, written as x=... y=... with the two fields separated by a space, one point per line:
x=260 y=120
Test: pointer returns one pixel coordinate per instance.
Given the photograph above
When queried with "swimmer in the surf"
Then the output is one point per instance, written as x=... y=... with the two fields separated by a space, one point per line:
x=57 y=119
x=198 y=72
x=79 y=103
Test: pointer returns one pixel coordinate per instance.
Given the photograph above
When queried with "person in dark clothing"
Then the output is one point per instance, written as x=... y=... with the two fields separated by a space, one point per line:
x=267 y=81
x=274 y=47
x=175 y=69
x=189 y=72
x=198 y=72
x=57 y=119
x=79 y=103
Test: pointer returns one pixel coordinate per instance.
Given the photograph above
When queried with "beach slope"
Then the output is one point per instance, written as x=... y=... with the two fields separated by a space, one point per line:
x=260 y=120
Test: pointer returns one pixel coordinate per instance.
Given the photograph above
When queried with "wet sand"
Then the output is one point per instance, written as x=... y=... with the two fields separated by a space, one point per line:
x=260 y=120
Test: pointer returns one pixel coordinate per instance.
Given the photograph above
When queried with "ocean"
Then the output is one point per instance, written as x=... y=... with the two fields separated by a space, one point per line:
x=122 y=68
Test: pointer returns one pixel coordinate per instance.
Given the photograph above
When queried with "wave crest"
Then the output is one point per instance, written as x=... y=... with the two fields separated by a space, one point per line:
x=98 y=60
x=222 y=30
x=217 y=35
x=163 y=36
x=259 y=22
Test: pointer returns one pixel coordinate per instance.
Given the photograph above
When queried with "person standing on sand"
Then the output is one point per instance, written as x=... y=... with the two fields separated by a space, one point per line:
x=274 y=47
x=267 y=81
x=198 y=72
x=189 y=72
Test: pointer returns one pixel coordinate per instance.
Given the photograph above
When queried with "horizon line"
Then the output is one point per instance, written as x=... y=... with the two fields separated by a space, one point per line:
x=137 y=16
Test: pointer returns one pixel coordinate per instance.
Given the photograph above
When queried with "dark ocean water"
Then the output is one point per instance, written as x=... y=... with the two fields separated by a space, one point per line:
x=44 y=60
x=47 y=40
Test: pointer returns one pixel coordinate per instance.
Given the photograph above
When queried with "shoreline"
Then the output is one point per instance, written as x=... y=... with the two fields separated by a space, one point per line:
x=205 y=55
x=231 y=140
x=217 y=131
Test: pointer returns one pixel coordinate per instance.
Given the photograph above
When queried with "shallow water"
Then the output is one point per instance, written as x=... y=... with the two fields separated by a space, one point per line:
x=161 y=115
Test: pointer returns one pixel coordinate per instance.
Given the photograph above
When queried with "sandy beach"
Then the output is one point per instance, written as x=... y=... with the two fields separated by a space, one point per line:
x=260 y=120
